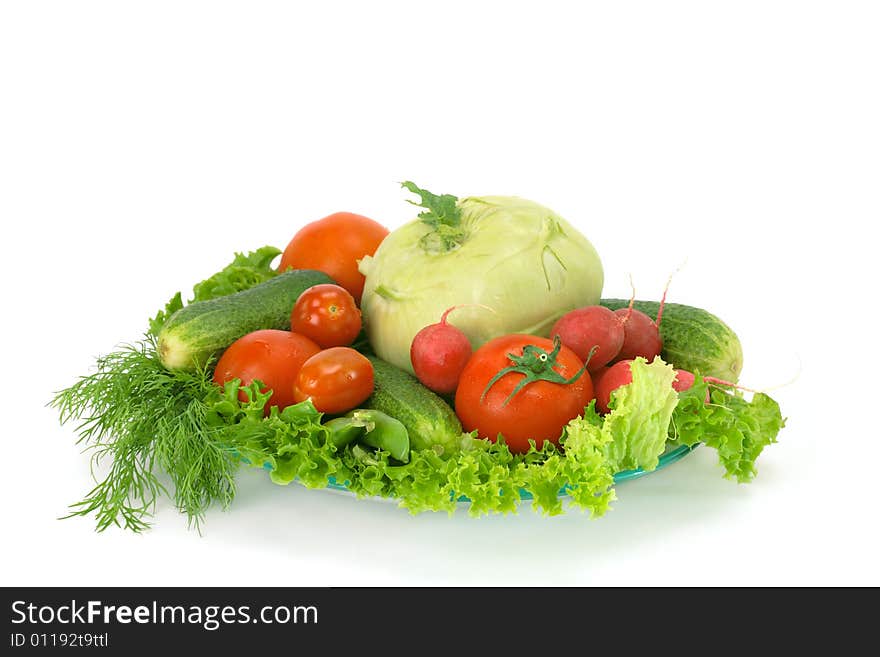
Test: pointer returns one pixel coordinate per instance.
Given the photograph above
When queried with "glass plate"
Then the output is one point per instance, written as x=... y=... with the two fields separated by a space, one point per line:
x=670 y=456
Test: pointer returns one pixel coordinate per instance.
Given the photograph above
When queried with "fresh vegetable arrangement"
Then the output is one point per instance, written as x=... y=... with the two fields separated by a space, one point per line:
x=466 y=356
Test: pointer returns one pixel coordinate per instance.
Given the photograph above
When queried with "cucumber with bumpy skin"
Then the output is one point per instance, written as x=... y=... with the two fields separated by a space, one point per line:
x=430 y=421
x=196 y=332
x=693 y=339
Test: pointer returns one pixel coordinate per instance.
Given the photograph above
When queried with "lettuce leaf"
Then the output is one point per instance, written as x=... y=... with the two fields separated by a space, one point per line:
x=638 y=424
x=244 y=272
x=292 y=445
x=157 y=322
x=738 y=429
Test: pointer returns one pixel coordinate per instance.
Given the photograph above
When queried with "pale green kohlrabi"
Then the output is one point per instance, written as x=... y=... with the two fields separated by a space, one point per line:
x=520 y=259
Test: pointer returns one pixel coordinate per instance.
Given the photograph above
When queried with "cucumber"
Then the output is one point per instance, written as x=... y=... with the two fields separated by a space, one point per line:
x=430 y=421
x=693 y=339
x=197 y=332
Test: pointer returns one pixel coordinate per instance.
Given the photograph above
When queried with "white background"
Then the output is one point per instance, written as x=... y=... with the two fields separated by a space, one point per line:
x=141 y=144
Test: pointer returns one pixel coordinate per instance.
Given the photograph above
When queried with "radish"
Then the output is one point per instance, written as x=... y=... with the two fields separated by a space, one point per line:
x=620 y=374
x=641 y=333
x=617 y=375
x=594 y=333
x=683 y=380
x=598 y=374
x=439 y=353
x=597 y=377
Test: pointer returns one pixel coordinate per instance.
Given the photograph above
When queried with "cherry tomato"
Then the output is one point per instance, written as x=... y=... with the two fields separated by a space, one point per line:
x=274 y=357
x=336 y=380
x=326 y=314
x=334 y=245
x=539 y=411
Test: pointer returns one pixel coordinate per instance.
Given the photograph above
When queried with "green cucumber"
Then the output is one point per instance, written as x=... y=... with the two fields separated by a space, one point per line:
x=693 y=339
x=430 y=421
x=199 y=331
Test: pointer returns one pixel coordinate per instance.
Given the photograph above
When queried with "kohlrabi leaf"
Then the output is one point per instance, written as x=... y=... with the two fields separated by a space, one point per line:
x=640 y=414
x=439 y=210
x=443 y=215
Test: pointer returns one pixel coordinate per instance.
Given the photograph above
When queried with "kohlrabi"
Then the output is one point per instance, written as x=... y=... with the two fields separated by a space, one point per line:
x=514 y=256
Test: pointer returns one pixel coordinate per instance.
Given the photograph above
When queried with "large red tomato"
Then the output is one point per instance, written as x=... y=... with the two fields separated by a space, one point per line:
x=538 y=411
x=274 y=357
x=334 y=245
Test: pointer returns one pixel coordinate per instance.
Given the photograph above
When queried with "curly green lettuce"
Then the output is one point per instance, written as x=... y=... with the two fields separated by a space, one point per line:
x=292 y=444
x=738 y=429
x=244 y=272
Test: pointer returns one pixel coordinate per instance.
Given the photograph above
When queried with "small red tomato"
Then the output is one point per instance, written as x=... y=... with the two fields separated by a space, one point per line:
x=327 y=314
x=336 y=380
x=274 y=357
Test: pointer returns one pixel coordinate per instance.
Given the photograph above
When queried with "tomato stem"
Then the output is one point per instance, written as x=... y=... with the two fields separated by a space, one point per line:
x=536 y=365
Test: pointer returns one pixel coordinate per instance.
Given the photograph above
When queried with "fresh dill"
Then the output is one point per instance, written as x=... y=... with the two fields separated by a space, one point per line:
x=142 y=418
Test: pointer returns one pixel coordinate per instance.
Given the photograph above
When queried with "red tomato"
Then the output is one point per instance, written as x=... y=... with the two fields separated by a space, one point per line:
x=328 y=315
x=334 y=245
x=274 y=357
x=336 y=380
x=538 y=411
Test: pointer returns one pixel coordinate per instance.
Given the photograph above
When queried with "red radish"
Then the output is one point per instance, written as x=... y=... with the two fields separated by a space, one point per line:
x=728 y=384
x=591 y=327
x=641 y=333
x=597 y=377
x=683 y=380
x=439 y=353
x=641 y=336
x=598 y=374
x=617 y=375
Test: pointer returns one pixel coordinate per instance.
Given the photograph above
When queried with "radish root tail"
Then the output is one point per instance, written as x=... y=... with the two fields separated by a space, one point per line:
x=465 y=305
x=632 y=301
x=665 y=290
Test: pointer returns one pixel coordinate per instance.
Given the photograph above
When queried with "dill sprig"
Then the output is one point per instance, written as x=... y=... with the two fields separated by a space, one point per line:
x=142 y=418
